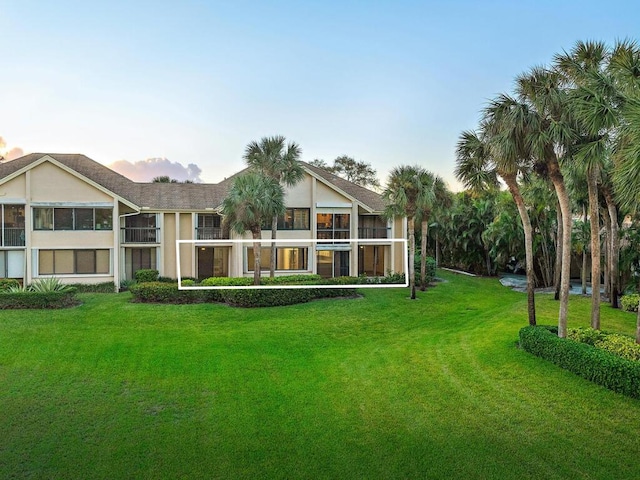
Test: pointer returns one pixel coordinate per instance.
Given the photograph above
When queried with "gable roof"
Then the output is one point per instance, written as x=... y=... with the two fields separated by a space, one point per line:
x=368 y=198
x=174 y=196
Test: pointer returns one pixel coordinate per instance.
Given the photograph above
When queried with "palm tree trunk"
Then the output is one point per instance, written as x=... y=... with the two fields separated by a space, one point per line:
x=257 y=250
x=594 y=220
x=614 y=257
x=583 y=271
x=565 y=275
x=272 y=263
x=638 y=326
x=606 y=246
x=558 y=264
x=512 y=184
x=412 y=253
x=423 y=253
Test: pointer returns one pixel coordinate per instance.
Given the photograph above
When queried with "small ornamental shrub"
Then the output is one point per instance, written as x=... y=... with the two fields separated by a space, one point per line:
x=226 y=282
x=188 y=283
x=630 y=302
x=594 y=364
x=49 y=284
x=7 y=283
x=622 y=345
x=251 y=297
x=146 y=275
x=585 y=335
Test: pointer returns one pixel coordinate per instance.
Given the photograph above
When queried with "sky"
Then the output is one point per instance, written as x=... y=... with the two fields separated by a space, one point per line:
x=180 y=88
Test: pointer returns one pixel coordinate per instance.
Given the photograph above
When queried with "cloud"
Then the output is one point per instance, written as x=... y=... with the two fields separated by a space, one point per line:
x=147 y=170
x=15 y=152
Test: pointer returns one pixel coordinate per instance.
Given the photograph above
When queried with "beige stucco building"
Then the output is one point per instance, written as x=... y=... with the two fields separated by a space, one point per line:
x=71 y=217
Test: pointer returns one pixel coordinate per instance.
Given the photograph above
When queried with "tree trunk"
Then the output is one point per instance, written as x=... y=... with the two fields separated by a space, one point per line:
x=423 y=253
x=638 y=326
x=272 y=263
x=437 y=249
x=583 y=272
x=411 y=225
x=594 y=220
x=606 y=253
x=558 y=265
x=565 y=275
x=512 y=184
x=614 y=258
x=257 y=250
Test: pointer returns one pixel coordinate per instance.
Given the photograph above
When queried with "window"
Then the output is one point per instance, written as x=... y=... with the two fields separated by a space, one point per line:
x=12 y=231
x=287 y=258
x=70 y=262
x=295 y=219
x=333 y=225
x=208 y=227
x=48 y=218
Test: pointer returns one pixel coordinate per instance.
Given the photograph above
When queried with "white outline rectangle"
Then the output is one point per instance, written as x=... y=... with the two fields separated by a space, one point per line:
x=298 y=242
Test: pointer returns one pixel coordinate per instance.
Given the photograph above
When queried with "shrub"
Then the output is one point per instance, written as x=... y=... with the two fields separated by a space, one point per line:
x=292 y=279
x=431 y=269
x=49 y=284
x=30 y=299
x=621 y=345
x=162 y=292
x=251 y=297
x=226 y=282
x=105 y=287
x=630 y=302
x=599 y=366
x=585 y=335
x=7 y=283
x=147 y=275
x=188 y=283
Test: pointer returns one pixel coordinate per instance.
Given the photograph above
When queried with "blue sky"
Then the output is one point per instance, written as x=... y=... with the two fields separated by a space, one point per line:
x=386 y=82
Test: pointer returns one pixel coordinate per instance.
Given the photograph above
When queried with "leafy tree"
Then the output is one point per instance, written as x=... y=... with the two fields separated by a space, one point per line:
x=404 y=195
x=360 y=173
x=251 y=201
x=164 y=179
x=436 y=194
x=273 y=158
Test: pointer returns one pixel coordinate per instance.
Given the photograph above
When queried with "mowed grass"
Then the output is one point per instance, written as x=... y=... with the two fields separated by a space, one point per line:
x=374 y=387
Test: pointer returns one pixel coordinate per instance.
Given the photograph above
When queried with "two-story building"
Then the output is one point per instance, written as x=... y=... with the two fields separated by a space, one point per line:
x=68 y=216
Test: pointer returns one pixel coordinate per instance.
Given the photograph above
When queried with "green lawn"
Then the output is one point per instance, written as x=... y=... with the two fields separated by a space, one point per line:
x=374 y=387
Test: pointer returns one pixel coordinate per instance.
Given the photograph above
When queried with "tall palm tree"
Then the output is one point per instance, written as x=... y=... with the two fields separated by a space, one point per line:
x=592 y=103
x=428 y=181
x=625 y=66
x=498 y=151
x=273 y=158
x=403 y=195
x=550 y=132
x=251 y=201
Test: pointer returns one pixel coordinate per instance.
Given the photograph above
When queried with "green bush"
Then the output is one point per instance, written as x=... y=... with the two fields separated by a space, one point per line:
x=621 y=345
x=162 y=292
x=292 y=279
x=226 y=282
x=48 y=284
x=599 y=366
x=188 y=283
x=105 y=287
x=146 y=275
x=30 y=299
x=630 y=302
x=272 y=297
x=585 y=335
x=8 y=283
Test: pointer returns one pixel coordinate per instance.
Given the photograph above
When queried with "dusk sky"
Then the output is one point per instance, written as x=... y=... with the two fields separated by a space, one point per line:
x=180 y=88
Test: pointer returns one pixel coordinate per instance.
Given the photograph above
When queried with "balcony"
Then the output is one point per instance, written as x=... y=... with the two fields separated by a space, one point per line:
x=13 y=237
x=209 y=233
x=372 y=232
x=140 y=235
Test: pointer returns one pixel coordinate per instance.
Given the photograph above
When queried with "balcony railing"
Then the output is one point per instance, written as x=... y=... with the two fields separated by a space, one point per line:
x=140 y=234
x=13 y=237
x=209 y=233
x=372 y=232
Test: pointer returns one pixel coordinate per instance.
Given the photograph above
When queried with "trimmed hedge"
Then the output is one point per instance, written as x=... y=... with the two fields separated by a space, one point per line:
x=163 y=292
x=250 y=298
x=105 y=287
x=26 y=299
x=8 y=283
x=601 y=367
x=147 y=275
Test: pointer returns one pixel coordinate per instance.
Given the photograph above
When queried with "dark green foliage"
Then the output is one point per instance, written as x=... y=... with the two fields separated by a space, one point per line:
x=7 y=283
x=292 y=279
x=601 y=367
x=431 y=270
x=266 y=298
x=105 y=287
x=28 y=299
x=226 y=282
x=162 y=292
x=147 y=275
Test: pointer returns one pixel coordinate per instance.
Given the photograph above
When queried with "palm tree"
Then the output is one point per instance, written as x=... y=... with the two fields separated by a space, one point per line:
x=427 y=179
x=625 y=66
x=252 y=200
x=280 y=162
x=498 y=151
x=404 y=195
x=550 y=132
